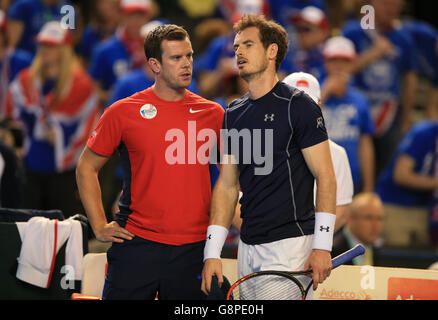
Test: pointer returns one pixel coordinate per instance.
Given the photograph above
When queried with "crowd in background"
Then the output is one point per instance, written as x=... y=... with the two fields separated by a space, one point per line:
x=379 y=91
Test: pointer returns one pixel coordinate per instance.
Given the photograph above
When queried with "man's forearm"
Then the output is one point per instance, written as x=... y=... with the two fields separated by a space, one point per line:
x=410 y=83
x=365 y=59
x=367 y=165
x=415 y=181
x=223 y=205
x=326 y=194
x=90 y=194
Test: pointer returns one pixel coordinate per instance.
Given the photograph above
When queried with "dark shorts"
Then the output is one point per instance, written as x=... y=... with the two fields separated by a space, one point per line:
x=139 y=269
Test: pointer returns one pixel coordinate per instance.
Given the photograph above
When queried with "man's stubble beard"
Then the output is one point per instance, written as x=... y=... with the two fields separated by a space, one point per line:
x=254 y=75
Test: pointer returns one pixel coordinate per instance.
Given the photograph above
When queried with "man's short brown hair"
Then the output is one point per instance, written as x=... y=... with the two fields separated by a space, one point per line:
x=270 y=32
x=170 y=32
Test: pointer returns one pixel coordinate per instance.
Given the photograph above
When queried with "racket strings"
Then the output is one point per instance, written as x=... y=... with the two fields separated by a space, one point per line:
x=268 y=287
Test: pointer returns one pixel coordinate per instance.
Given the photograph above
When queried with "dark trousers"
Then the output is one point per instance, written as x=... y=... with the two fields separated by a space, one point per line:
x=138 y=269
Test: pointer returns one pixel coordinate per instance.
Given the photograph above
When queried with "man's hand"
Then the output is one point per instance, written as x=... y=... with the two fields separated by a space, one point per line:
x=112 y=232
x=335 y=85
x=383 y=46
x=212 y=267
x=320 y=262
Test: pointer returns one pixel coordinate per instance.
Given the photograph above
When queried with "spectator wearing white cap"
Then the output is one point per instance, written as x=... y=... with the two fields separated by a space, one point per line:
x=346 y=112
x=123 y=52
x=56 y=104
x=305 y=55
x=345 y=189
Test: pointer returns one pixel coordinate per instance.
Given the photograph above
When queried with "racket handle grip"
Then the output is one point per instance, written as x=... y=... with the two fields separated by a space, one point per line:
x=348 y=255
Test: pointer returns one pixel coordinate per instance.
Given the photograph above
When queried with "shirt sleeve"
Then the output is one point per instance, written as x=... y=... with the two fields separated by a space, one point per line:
x=307 y=122
x=107 y=135
x=345 y=187
x=18 y=11
x=414 y=143
x=409 y=57
x=97 y=65
x=212 y=55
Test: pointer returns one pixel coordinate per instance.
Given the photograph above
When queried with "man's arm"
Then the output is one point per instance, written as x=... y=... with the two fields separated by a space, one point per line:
x=367 y=165
x=319 y=162
x=382 y=47
x=104 y=95
x=341 y=216
x=408 y=96
x=223 y=204
x=432 y=103
x=405 y=176
x=87 y=172
x=15 y=32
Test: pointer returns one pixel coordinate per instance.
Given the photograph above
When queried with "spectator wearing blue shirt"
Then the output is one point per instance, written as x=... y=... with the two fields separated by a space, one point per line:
x=283 y=11
x=305 y=54
x=11 y=62
x=104 y=19
x=425 y=38
x=217 y=64
x=407 y=185
x=385 y=71
x=123 y=52
x=27 y=17
x=346 y=112
x=136 y=81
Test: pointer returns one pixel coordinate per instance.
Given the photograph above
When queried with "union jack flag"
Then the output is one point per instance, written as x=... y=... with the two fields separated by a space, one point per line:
x=72 y=119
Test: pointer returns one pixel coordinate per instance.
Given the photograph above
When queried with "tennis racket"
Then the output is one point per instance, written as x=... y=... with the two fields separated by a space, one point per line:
x=282 y=285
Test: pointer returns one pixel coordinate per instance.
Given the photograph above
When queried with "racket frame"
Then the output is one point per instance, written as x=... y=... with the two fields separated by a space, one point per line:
x=336 y=262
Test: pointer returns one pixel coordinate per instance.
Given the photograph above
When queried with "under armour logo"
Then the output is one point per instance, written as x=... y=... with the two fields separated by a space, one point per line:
x=321 y=228
x=320 y=122
x=269 y=117
x=209 y=237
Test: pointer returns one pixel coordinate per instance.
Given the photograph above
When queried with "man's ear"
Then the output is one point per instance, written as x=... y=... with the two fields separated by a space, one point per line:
x=272 y=51
x=155 y=65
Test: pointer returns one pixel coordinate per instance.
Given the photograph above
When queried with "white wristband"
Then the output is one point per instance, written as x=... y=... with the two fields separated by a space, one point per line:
x=216 y=236
x=324 y=229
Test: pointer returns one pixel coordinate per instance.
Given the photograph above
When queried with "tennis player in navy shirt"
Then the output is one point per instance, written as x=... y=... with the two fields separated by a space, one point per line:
x=281 y=229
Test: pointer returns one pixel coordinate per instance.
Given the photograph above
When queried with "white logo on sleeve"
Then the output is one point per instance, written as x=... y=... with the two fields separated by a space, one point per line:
x=148 y=111
x=320 y=122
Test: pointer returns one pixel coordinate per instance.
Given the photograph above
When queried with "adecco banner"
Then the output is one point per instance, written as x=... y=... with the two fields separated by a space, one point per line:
x=377 y=283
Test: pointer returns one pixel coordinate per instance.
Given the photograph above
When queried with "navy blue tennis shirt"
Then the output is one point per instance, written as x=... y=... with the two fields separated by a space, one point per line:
x=277 y=200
